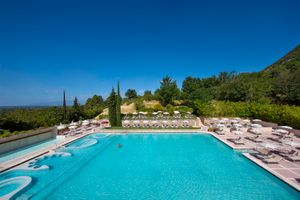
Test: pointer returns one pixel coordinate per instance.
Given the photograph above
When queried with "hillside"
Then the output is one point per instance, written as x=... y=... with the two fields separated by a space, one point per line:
x=125 y=108
x=290 y=56
x=290 y=61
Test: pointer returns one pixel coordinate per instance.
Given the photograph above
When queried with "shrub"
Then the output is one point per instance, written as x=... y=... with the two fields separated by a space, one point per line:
x=158 y=107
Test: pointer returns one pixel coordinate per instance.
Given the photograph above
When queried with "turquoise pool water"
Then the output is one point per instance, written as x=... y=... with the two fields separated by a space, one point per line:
x=148 y=166
x=25 y=150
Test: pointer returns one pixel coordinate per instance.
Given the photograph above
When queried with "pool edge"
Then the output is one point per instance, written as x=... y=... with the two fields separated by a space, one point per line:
x=5 y=166
x=258 y=163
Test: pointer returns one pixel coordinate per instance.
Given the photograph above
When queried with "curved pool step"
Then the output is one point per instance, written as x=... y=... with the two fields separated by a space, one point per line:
x=12 y=187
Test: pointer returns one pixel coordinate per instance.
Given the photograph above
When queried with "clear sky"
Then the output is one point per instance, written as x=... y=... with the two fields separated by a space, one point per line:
x=85 y=46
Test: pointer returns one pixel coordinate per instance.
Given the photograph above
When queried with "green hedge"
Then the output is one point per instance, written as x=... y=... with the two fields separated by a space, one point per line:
x=280 y=114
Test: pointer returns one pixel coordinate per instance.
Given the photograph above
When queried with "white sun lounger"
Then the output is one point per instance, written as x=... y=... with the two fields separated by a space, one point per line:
x=237 y=141
x=272 y=160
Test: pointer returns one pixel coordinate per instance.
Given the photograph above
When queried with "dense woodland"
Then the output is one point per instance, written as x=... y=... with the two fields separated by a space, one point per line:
x=272 y=94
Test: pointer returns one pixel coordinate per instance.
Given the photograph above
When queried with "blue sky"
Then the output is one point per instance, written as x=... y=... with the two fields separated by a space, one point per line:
x=84 y=47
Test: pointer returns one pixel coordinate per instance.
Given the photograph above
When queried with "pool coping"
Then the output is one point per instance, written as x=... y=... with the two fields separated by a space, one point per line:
x=270 y=170
x=256 y=161
x=226 y=142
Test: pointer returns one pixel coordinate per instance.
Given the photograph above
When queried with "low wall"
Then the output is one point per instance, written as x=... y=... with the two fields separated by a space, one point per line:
x=23 y=140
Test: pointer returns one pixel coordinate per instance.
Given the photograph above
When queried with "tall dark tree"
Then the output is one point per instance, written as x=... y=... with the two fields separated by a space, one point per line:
x=76 y=110
x=65 y=117
x=118 y=107
x=112 y=102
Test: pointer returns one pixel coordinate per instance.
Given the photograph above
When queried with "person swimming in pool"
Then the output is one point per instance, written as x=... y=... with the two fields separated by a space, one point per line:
x=119 y=145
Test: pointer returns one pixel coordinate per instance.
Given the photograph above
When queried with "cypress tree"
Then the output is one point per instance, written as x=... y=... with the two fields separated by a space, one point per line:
x=76 y=110
x=112 y=108
x=64 y=120
x=118 y=106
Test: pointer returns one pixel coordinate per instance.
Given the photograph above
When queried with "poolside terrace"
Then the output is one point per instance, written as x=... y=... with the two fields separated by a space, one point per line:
x=275 y=149
x=161 y=120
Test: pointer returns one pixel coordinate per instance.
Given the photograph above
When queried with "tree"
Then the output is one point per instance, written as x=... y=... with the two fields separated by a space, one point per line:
x=76 y=110
x=112 y=100
x=118 y=106
x=94 y=101
x=93 y=106
x=244 y=87
x=131 y=94
x=203 y=94
x=202 y=89
x=189 y=86
x=168 y=91
x=148 y=95
x=224 y=77
x=286 y=87
x=65 y=117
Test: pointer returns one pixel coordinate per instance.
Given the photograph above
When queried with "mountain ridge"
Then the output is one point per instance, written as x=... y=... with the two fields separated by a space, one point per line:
x=290 y=58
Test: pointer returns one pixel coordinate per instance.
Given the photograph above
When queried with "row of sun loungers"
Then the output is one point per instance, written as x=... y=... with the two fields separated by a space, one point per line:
x=266 y=156
x=259 y=138
x=293 y=158
x=275 y=157
x=291 y=155
x=156 y=124
x=156 y=117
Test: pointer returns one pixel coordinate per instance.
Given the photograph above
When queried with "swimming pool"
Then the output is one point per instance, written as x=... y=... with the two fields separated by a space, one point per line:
x=149 y=166
x=22 y=151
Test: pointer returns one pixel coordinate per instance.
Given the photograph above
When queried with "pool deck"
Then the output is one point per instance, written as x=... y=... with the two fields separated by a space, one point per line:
x=287 y=171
